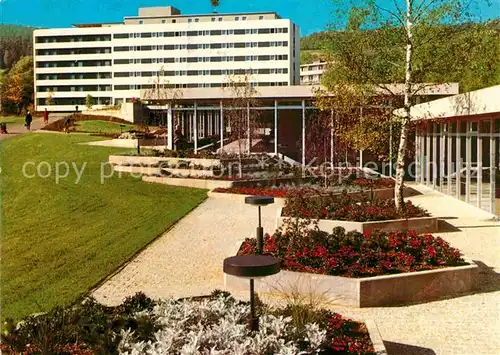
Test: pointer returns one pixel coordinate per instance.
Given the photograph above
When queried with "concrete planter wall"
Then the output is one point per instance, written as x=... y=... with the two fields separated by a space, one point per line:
x=378 y=291
x=420 y=224
x=139 y=160
x=194 y=183
x=139 y=170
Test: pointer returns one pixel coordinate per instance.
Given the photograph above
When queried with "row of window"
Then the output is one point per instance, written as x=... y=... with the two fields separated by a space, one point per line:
x=242 y=58
x=75 y=101
x=72 y=51
x=167 y=47
x=63 y=39
x=74 y=63
x=192 y=85
x=63 y=76
x=200 y=72
x=246 y=31
x=102 y=63
x=84 y=88
x=213 y=19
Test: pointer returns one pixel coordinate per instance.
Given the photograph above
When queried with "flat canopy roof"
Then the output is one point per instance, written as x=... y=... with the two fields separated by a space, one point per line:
x=296 y=92
x=473 y=103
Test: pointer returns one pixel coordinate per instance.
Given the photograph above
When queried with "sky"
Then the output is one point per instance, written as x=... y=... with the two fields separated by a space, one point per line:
x=310 y=15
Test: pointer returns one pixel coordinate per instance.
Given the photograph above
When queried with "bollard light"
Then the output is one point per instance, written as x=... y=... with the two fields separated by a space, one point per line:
x=252 y=267
x=259 y=201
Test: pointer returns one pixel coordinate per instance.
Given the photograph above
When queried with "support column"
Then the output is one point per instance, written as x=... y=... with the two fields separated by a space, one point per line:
x=442 y=155
x=195 y=126
x=422 y=156
x=449 y=157
x=332 y=137
x=276 y=127
x=221 y=126
x=170 y=131
x=435 y=163
x=249 y=142
x=428 y=154
x=493 y=159
x=458 y=161
x=417 y=154
x=479 y=177
x=303 y=133
x=468 y=157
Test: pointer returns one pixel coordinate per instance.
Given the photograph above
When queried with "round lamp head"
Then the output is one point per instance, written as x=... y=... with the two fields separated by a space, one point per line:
x=259 y=200
x=251 y=266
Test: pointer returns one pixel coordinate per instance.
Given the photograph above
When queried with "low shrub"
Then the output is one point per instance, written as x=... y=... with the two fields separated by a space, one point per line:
x=87 y=328
x=346 y=208
x=201 y=325
x=356 y=254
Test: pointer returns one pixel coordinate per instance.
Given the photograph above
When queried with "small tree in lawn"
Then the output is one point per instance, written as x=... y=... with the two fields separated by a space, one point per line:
x=242 y=119
x=13 y=91
x=89 y=101
x=49 y=100
x=162 y=92
x=215 y=4
x=397 y=42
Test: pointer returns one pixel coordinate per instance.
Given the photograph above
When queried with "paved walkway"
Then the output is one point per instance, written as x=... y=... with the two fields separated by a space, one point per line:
x=187 y=261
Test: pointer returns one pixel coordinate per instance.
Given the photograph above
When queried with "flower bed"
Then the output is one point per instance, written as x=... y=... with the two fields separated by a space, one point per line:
x=345 y=208
x=362 y=270
x=356 y=254
x=215 y=324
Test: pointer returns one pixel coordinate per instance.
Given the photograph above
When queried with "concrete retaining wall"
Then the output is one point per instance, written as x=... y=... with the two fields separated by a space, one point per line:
x=139 y=170
x=378 y=291
x=194 y=183
x=421 y=224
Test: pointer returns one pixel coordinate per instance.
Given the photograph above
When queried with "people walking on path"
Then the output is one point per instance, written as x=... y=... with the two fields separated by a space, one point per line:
x=45 y=117
x=28 y=120
x=67 y=124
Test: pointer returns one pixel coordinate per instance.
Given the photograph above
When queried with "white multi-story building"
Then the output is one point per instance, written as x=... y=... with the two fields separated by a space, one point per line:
x=112 y=62
x=311 y=74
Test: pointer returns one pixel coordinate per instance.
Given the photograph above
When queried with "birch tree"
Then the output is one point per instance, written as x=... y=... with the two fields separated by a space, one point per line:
x=242 y=119
x=392 y=42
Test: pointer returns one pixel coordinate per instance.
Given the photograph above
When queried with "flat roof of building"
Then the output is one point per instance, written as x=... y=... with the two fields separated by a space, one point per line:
x=296 y=92
x=205 y=15
x=479 y=102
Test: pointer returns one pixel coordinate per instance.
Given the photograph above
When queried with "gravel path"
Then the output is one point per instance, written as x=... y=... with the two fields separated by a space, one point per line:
x=187 y=261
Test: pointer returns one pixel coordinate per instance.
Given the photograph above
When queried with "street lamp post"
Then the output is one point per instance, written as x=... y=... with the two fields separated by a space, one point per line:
x=259 y=201
x=252 y=267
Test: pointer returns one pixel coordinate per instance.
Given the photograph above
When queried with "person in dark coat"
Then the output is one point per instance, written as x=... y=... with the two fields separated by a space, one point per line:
x=28 y=120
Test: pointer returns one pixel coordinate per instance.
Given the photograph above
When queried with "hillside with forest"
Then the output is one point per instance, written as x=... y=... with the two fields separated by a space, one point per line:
x=15 y=42
x=474 y=58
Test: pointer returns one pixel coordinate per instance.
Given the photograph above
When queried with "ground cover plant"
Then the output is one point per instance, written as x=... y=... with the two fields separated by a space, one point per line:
x=210 y=325
x=61 y=238
x=347 y=208
x=355 y=254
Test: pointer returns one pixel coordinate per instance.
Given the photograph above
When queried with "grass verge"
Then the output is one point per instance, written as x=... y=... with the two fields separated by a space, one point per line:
x=59 y=239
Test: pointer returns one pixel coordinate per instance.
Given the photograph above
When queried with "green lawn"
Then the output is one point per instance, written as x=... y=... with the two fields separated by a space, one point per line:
x=60 y=240
x=12 y=119
x=102 y=126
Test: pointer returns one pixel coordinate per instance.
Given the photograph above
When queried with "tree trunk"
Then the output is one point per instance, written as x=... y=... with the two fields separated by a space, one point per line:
x=403 y=141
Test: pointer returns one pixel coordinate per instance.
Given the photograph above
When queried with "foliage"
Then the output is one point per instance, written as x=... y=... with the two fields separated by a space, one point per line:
x=215 y=4
x=89 y=101
x=346 y=208
x=15 y=42
x=201 y=325
x=241 y=119
x=90 y=326
x=49 y=100
x=61 y=238
x=17 y=88
x=219 y=325
x=355 y=254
